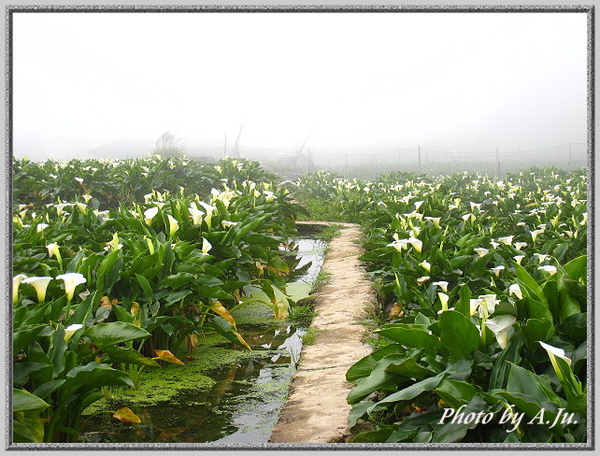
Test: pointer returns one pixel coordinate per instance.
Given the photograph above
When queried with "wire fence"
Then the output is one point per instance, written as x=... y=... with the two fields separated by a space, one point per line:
x=496 y=162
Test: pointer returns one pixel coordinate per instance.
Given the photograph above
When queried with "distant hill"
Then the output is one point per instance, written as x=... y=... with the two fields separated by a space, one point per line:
x=121 y=148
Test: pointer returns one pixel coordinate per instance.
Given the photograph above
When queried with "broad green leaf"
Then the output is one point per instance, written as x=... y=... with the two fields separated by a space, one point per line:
x=378 y=436
x=23 y=401
x=455 y=393
x=535 y=330
x=458 y=334
x=145 y=284
x=530 y=285
x=178 y=280
x=107 y=334
x=411 y=392
x=28 y=427
x=48 y=388
x=95 y=375
x=410 y=335
x=568 y=305
x=454 y=432
x=364 y=367
x=57 y=350
x=357 y=412
x=25 y=335
x=576 y=269
x=22 y=370
x=464 y=306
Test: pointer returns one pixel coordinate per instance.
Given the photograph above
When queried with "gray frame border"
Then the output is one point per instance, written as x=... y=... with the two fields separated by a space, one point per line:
x=589 y=9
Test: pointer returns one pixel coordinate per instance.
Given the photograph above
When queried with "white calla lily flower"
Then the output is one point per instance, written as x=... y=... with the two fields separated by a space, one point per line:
x=502 y=327
x=149 y=214
x=206 y=246
x=72 y=329
x=40 y=284
x=515 y=289
x=173 y=224
x=71 y=280
x=16 y=283
x=481 y=251
x=442 y=284
x=548 y=268
x=506 y=240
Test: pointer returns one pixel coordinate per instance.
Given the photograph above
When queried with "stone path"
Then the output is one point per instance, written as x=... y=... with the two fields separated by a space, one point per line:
x=316 y=410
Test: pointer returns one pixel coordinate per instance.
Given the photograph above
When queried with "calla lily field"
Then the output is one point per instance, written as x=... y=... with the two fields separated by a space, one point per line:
x=484 y=287
x=122 y=266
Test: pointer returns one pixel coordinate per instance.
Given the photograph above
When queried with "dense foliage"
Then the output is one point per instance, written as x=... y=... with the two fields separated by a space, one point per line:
x=484 y=282
x=112 y=275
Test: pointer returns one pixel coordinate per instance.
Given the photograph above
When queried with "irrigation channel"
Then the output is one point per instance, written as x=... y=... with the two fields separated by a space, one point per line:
x=235 y=396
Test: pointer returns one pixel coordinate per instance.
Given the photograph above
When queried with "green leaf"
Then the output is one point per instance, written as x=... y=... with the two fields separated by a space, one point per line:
x=530 y=285
x=178 y=280
x=57 y=350
x=535 y=330
x=411 y=392
x=455 y=392
x=458 y=334
x=357 y=412
x=410 y=335
x=107 y=334
x=23 y=401
x=48 y=388
x=576 y=269
x=364 y=367
x=454 y=432
x=145 y=284
x=464 y=303
x=95 y=375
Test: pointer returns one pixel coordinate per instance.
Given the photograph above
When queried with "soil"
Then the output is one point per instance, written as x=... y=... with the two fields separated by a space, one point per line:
x=316 y=410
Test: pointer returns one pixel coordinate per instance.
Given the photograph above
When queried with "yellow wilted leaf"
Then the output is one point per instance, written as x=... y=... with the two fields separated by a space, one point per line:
x=105 y=302
x=220 y=310
x=126 y=415
x=192 y=340
x=171 y=432
x=166 y=355
x=135 y=312
x=242 y=341
x=280 y=310
x=396 y=310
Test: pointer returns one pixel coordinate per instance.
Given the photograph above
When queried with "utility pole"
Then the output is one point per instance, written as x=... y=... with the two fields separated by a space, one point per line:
x=225 y=148
x=569 y=156
x=376 y=166
x=419 y=158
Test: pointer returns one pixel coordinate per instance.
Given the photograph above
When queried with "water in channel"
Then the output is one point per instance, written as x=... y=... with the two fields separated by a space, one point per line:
x=242 y=403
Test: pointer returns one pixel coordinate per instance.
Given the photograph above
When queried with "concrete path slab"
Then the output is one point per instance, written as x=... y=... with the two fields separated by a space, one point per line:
x=316 y=410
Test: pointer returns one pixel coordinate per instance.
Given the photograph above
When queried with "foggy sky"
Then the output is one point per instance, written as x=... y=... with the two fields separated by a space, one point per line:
x=465 y=81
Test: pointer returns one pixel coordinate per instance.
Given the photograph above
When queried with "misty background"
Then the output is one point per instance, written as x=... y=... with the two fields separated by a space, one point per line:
x=346 y=92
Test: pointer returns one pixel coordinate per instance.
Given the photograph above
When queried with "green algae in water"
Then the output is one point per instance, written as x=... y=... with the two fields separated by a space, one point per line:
x=224 y=394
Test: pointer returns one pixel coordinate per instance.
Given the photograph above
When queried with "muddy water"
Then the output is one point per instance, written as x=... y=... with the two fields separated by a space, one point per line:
x=244 y=402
